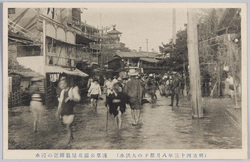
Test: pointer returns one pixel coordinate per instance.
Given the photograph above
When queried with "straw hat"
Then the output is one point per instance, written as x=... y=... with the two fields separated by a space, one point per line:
x=38 y=78
x=132 y=72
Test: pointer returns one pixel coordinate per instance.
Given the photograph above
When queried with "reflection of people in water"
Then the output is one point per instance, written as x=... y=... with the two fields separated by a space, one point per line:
x=36 y=103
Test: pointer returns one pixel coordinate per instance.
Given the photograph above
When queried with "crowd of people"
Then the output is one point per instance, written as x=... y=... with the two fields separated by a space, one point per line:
x=119 y=92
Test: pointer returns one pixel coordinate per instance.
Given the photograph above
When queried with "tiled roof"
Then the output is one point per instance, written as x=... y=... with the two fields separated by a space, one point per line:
x=59 y=69
x=26 y=73
x=151 y=60
x=114 y=31
x=137 y=54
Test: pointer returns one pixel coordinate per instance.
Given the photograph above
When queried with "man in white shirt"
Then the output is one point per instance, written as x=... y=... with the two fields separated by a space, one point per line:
x=108 y=85
x=95 y=92
x=114 y=80
x=230 y=81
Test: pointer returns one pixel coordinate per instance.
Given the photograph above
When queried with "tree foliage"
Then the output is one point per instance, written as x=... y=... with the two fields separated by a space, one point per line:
x=178 y=52
x=109 y=48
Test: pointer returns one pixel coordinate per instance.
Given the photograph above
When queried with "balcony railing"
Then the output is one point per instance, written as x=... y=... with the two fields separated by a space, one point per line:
x=76 y=21
x=61 y=61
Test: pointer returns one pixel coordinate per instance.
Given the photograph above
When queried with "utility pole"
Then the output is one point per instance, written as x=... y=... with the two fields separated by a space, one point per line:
x=193 y=57
x=174 y=25
x=45 y=61
x=147 y=44
x=101 y=42
x=100 y=20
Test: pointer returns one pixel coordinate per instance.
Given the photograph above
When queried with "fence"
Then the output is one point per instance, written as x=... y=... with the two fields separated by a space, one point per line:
x=18 y=98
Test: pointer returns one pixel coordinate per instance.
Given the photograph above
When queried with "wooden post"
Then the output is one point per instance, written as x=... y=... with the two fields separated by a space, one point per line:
x=233 y=69
x=193 y=57
x=45 y=59
x=174 y=25
x=185 y=80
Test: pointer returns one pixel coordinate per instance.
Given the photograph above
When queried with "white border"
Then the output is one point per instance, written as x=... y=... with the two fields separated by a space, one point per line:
x=112 y=154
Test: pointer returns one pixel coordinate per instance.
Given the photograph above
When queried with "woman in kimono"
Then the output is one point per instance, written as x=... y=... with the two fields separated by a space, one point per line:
x=116 y=103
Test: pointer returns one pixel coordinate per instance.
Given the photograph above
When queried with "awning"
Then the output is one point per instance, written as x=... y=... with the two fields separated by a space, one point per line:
x=26 y=74
x=150 y=60
x=60 y=70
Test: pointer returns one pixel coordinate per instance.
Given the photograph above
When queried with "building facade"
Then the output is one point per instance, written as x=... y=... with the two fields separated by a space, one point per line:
x=51 y=41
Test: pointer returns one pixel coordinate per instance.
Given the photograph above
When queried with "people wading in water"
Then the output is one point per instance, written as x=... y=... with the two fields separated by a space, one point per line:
x=116 y=103
x=36 y=104
x=133 y=89
x=175 y=88
x=152 y=88
x=94 y=92
x=68 y=98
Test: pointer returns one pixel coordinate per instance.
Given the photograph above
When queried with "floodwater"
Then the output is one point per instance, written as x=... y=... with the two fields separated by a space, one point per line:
x=160 y=127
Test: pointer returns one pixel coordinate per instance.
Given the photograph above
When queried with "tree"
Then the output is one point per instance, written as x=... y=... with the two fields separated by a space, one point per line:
x=109 y=48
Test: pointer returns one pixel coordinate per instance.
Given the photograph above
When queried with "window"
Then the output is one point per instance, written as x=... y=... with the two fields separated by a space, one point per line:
x=23 y=51
x=11 y=10
x=76 y=16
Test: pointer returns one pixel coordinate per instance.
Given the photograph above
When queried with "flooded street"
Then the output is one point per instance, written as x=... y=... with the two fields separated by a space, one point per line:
x=160 y=127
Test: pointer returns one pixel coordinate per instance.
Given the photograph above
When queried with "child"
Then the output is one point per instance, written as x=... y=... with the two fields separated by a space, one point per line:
x=117 y=104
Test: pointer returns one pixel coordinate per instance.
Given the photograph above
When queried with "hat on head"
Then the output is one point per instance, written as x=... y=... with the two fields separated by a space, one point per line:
x=39 y=78
x=132 y=72
x=174 y=72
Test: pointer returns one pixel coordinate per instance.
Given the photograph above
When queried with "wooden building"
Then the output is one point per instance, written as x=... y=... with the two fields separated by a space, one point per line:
x=144 y=61
x=57 y=41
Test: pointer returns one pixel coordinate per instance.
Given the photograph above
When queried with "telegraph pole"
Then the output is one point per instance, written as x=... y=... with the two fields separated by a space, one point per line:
x=45 y=61
x=193 y=57
x=174 y=25
x=147 y=44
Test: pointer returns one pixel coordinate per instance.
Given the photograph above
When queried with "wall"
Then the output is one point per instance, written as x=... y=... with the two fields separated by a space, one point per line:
x=60 y=53
x=36 y=63
x=12 y=51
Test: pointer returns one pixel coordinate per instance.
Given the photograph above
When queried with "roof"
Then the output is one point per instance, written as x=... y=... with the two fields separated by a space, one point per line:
x=114 y=31
x=26 y=73
x=136 y=54
x=59 y=69
x=19 y=38
x=115 y=58
x=151 y=60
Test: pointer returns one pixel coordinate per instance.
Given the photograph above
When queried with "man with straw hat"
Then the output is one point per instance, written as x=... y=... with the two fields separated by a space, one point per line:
x=133 y=89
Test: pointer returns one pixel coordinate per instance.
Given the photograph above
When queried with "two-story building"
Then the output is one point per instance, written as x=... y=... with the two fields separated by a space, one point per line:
x=58 y=40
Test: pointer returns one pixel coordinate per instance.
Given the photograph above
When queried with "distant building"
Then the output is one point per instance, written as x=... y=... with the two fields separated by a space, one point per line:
x=111 y=45
x=123 y=61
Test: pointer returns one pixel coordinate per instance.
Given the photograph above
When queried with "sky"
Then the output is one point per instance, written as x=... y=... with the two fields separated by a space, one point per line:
x=138 y=24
